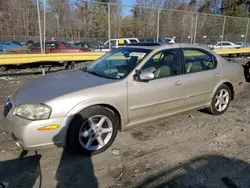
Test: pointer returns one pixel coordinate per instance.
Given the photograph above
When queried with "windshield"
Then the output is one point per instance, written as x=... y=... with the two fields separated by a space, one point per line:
x=117 y=64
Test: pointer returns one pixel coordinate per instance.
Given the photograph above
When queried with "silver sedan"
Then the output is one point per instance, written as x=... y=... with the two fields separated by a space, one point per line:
x=83 y=109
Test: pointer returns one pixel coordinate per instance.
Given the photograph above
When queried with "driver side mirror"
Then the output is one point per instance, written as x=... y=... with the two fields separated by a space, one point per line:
x=144 y=76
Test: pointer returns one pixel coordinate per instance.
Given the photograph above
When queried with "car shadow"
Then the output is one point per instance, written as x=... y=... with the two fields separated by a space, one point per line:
x=74 y=170
x=211 y=171
x=25 y=172
x=22 y=172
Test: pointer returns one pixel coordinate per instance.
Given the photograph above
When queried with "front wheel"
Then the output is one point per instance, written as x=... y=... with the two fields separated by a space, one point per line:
x=221 y=100
x=93 y=130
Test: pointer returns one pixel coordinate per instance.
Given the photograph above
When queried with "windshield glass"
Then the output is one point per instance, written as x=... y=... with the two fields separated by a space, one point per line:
x=117 y=64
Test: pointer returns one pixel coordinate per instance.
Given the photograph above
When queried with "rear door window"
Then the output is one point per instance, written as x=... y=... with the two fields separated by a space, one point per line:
x=196 y=60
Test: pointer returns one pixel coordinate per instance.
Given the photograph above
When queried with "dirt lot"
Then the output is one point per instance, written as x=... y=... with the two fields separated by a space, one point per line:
x=190 y=150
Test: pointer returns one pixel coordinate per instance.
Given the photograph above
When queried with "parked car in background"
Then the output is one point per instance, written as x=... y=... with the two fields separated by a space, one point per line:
x=101 y=47
x=242 y=44
x=57 y=47
x=29 y=43
x=225 y=45
x=150 y=39
x=100 y=42
x=17 y=42
x=83 y=109
x=93 y=46
x=154 y=39
x=169 y=40
x=9 y=47
x=115 y=43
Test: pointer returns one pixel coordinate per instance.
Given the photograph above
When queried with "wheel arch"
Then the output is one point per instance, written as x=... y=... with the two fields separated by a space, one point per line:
x=227 y=83
x=231 y=89
x=113 y=108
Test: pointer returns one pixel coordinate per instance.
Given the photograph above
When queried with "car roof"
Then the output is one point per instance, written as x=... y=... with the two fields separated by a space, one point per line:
x=160 y=45
x=165 y=46
x=225 y=41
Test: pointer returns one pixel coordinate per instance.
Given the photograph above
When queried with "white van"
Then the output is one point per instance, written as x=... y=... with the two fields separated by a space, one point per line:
x=115 y=43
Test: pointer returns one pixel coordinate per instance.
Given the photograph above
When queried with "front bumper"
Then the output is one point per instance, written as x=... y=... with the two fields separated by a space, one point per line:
x=26 y=134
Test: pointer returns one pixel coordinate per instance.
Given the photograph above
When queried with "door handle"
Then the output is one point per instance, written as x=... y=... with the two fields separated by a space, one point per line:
x=179 y=82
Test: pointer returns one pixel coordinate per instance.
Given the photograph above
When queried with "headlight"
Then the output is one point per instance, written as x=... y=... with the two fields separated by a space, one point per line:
x=33 y=111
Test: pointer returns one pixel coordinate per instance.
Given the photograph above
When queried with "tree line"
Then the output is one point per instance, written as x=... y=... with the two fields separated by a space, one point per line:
x=89 y=19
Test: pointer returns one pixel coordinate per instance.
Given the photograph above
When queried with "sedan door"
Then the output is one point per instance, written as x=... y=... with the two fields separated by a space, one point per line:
x=202 y=74
x=163 y=95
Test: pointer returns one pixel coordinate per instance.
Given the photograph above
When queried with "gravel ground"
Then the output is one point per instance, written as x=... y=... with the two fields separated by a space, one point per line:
x=190 y=150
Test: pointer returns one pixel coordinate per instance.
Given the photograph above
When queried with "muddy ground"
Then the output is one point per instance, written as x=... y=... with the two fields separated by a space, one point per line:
x=190 y=150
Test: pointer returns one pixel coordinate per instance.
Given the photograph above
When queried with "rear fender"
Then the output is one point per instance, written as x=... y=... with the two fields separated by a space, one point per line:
x=218 y=85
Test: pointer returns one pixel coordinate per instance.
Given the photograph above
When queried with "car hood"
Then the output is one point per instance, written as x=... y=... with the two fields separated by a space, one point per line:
x=49 y=87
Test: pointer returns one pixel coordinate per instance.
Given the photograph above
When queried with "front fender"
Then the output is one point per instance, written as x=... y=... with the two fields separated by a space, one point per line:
x=96 y=101
x=91 y=102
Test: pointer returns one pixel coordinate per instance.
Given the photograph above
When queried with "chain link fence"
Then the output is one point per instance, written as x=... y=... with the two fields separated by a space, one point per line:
x=92 y=21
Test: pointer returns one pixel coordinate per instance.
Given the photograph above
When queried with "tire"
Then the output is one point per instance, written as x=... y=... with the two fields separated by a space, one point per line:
x=89 y=141
x=217 y=101
x=2 y=185
x=246 y=72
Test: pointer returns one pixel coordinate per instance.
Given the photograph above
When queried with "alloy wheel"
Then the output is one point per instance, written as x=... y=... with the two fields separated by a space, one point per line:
x=222 y=100
x=95 y=132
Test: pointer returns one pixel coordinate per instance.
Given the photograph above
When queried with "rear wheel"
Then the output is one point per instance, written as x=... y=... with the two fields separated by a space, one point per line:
x=93 y=130
x=221 y=100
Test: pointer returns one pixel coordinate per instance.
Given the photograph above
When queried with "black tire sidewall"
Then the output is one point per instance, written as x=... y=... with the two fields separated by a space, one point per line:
x=213 y=109
x=246 y=72
x=2 y=185
x=73 y=132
